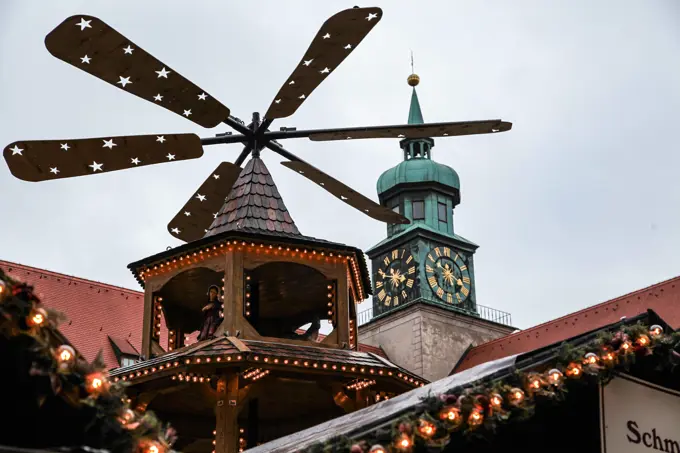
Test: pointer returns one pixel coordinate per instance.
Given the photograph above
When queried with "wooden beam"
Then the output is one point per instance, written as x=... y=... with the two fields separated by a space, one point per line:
x=146 y=328
x=342 y=307
x=226 y=414
x=233 y=294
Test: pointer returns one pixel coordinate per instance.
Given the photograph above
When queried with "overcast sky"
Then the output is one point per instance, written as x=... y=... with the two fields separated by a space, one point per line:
x=579 y=203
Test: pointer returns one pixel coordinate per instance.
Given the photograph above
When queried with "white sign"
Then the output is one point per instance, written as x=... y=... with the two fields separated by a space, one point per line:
x=639 y=417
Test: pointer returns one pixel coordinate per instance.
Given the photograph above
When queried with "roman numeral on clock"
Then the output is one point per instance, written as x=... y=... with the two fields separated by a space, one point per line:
x=432 y=280
x=395 y=254
x=440 y=292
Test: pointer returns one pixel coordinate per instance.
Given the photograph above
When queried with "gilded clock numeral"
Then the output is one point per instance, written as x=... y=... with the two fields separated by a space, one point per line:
x=466 y=280
x=381 y=273
x=403 y=252
x=458 y=297
x=387 y=261
x=409 y=259
x=440 y=292
x=396 y=300
x=449 y=298
x=447 y=252
x=432 y=280
x=437 y=252
x=409 y=283
x=403 y=294
x=388 y=300
x=455 y=258
x=429 y=257
x=411 y=270
x=395 y=254
x=381 y=294
x=429 y=269
x=463 y=267
x=378 y=284
x=465 y=290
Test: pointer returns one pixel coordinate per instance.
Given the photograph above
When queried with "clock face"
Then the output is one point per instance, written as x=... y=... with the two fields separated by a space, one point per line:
x=395 y=278
x=448 y=275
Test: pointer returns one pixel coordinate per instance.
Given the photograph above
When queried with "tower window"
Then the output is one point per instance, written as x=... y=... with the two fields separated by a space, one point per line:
x=418 y=210
x=441 y=211
x=395 y=206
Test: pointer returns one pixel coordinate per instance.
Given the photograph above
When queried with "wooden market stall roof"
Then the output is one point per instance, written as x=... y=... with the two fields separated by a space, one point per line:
x=362 y=423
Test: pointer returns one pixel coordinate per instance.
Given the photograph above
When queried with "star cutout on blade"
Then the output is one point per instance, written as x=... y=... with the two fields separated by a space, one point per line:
x=215 y=214
x=175 y=230
x=325 y=70
x=54 y=170
x=95 y=166
x=85 y=59
x=108 y=144
x=160 y=138
x=158 y=98
x=163 y=73
x=187 y=113
x=135 y=161
x=308 y=62
x=16 y=150
x=83 y=24
x=128 y=50
x=202 y=97
x=124 y=81
x=187 y=213
x=326 y=36
x=216 y=176
x=348 y=47
x=278 y=101
x=200 y=197
x=65 y=146
x=371 y=16
x=302 y=96
x=170 y=156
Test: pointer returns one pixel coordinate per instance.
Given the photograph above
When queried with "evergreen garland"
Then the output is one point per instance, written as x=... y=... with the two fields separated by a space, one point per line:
x=52 y=397
x=461 y=415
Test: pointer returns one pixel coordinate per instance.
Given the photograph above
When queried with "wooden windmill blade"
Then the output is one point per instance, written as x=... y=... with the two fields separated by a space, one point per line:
x=193 y=220
x=44 y=160
x=337 y=188
x=401 y=131
x=91 y=45
x=335 y=40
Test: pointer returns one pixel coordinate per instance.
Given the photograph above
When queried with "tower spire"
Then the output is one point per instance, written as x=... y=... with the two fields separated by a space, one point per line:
x=415 y=115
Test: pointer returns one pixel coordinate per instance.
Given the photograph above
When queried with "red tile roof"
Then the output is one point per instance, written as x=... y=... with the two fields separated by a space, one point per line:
x=96 y=312
x=663 y=298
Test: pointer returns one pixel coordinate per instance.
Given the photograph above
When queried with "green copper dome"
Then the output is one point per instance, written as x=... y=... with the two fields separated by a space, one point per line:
x=418 y=171
x=418 y=166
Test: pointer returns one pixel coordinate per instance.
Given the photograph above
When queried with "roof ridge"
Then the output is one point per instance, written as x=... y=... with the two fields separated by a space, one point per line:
x=11 y=264
x=578 y=312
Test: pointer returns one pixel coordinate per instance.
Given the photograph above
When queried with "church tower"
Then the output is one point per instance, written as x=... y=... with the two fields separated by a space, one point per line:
x=423 y=272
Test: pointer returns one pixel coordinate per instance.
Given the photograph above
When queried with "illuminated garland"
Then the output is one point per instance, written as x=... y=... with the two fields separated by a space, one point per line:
x=479 y=410
x=96 y=411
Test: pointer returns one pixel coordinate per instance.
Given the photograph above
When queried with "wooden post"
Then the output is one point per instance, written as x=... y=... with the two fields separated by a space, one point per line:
x=233 y=292
x=342 y=307
x=226 y=414
x=148 y=322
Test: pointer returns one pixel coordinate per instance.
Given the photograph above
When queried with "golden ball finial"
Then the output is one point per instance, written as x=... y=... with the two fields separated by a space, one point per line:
x=413 y=80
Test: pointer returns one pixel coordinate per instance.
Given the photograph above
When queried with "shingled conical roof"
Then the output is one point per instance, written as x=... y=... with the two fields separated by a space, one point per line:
x=254 y=205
